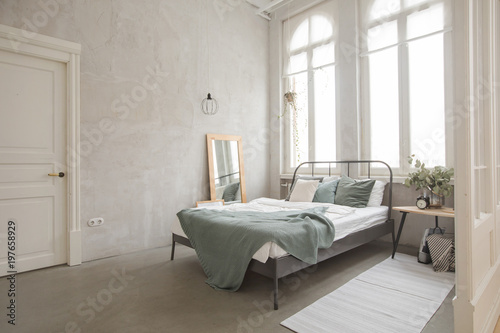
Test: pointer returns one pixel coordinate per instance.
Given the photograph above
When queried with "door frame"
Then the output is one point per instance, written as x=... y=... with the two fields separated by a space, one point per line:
x=50 y=48
x=477 y=303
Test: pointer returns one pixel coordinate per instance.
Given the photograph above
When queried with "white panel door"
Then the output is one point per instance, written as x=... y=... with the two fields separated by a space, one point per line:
x=32 y=145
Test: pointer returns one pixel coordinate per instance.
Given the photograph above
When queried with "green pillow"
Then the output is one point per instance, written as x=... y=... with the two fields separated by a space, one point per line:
x=353 y=193
x=230 y=192
x=326 y=192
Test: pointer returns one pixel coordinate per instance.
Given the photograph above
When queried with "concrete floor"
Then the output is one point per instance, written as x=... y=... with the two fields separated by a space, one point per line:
x=146 y=292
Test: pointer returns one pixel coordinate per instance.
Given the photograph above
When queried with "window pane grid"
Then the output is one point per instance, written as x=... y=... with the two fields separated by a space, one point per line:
x=298 y=119
x=480 y=139
x=309 y=71
x=323 y=55
x=405 y=92
x=498 y=164
x=482 y=184
x=324 y=103
x=477 y=194
x=426 y=21
x=426 y=100
x=498 y=185
x=382 y=36
x=497 y=107
x=384 y=106
x=497 y=132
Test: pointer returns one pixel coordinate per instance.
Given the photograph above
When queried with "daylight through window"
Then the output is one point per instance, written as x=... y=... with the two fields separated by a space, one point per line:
x=309 y=79
x=405 y=92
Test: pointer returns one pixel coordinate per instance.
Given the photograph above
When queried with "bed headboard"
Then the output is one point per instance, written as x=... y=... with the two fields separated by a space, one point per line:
x=348 y=163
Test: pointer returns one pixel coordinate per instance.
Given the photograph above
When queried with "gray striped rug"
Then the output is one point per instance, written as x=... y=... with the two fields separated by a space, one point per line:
x=398 y=295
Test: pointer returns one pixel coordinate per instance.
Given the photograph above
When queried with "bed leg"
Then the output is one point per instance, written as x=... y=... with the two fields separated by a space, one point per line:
x=275 y=282
x=173 y=249
x=275 y=292
x=393 y=237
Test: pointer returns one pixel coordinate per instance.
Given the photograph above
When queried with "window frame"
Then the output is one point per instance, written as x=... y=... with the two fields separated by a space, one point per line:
x=287 y=158
x=496 y=105
x=402 y=43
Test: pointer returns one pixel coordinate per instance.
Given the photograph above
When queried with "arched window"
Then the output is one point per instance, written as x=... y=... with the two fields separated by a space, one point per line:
x=309 y=83
x=406 y=81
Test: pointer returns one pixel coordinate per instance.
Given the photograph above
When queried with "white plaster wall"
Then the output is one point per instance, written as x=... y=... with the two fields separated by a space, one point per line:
x=143 y=76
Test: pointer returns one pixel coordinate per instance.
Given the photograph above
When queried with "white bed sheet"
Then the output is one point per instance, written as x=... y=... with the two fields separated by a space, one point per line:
x=346 y=220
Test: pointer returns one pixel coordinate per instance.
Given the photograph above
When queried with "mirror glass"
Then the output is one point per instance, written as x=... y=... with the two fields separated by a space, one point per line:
x=225 y=161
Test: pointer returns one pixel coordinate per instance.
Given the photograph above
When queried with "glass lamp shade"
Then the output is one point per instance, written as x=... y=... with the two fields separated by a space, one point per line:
x=209 y=105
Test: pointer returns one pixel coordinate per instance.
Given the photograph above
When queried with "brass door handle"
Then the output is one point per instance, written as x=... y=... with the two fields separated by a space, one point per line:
x=60 y=174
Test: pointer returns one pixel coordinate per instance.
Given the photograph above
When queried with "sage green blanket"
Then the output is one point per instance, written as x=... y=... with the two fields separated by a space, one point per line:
x=225 y=241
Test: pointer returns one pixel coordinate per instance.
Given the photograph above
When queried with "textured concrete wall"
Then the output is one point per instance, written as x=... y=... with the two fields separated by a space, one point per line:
x=143 y=76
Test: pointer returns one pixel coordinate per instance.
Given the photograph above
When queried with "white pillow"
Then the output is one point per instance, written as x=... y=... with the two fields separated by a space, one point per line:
x=377 y=194
x=319 y=178
x=304 y=190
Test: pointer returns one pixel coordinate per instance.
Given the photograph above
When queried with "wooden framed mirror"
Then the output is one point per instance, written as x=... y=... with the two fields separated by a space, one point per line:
x=225 y=167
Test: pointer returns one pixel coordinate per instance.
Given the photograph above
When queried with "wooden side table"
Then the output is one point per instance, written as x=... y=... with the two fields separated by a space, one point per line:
x=443 y=212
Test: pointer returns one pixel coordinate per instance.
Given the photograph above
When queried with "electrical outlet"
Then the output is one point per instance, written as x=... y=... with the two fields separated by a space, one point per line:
x=95 y=222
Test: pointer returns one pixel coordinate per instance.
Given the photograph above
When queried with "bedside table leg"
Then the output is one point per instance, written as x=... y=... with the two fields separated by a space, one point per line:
x=172 y=253
x=395 y=245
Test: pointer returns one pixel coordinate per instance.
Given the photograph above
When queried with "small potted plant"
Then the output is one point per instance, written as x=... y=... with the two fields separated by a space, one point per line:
x=435 y=181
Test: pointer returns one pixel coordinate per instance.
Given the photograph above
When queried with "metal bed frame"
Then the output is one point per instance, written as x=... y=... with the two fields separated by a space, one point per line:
x=277 y=268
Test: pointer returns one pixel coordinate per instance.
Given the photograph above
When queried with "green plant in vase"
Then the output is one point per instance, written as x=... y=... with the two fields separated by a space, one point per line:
x=435 y=180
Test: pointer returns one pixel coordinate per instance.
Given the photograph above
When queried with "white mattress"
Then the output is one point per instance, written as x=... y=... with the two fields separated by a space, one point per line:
x=346 y=220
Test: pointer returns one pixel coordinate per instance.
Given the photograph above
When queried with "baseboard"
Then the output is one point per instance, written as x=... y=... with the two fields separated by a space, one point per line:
x=494 y=314
x=490 y=305
x=75 y=248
